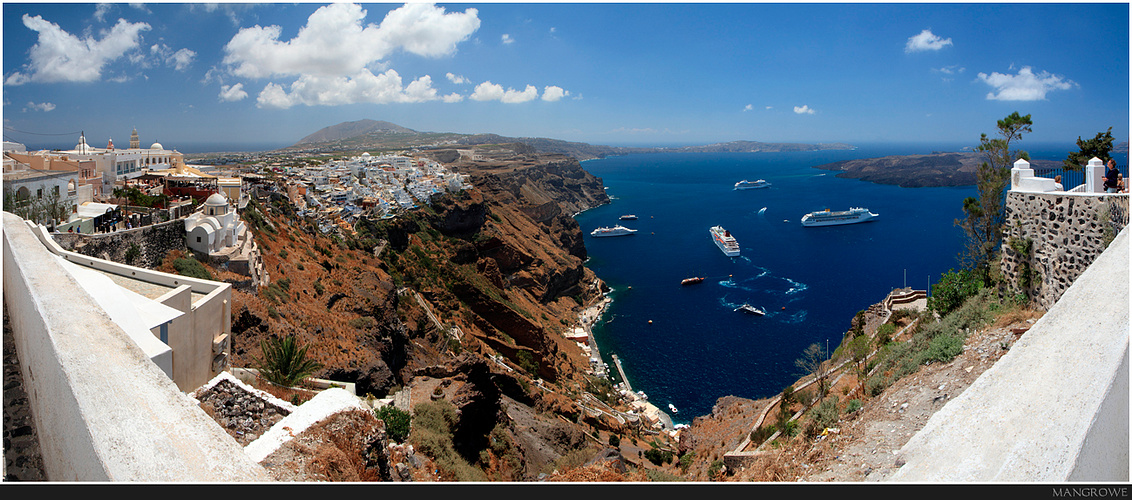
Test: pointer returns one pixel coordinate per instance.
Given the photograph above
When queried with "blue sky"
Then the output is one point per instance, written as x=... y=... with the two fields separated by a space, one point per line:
x=616 y=74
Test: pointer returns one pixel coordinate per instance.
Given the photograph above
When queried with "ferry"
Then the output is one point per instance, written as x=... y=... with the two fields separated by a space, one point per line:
x=725 y=241
x=745 y=184
x=749 y=309
x=629 y=217
x=617 y=230
x=829 y=218
x=692 y=281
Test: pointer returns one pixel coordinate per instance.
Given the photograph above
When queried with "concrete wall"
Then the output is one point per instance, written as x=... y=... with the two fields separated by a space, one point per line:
x=103 y=410
x=1054 y=408
x=1067 y=230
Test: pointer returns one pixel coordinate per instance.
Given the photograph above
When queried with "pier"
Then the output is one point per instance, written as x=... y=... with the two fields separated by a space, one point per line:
x=624 y=380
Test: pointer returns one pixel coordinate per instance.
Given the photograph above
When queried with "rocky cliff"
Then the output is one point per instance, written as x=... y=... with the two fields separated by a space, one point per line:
x=471 y=295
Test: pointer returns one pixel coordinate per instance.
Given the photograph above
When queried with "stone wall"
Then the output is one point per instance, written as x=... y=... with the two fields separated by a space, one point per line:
x=153 y=243
x=1050 y=238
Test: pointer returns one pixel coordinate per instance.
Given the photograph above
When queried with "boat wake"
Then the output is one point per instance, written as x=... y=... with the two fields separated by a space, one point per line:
x=762 y=210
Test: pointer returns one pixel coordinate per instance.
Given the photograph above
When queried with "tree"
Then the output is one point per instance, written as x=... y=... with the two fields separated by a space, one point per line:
x=285 y=362
x=859 y=349
x=813 y=361
x=1097 y=147
x=985 y=215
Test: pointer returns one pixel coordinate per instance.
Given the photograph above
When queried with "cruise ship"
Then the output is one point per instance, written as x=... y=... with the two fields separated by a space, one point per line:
x=828 y=218
x=745 y=184
x=725 y=241
x=617 y=230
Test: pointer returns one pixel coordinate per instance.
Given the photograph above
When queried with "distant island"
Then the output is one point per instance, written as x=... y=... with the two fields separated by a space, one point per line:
x=375 y=135
x=930 y=170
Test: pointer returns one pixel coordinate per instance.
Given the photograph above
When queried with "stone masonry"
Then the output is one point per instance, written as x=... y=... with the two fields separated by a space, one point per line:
x=153 y=243
x=1056 y=235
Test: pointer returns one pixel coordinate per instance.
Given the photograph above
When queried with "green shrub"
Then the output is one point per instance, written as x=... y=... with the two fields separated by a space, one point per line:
x=397 y=422
x=824 y=415
x=884 y=334
x=853 y=406
x=952 y=290
x=132 y=253
x=658 y=456
x=192 y=268
x=432 y=435
x=714 y=468
x=614 y=440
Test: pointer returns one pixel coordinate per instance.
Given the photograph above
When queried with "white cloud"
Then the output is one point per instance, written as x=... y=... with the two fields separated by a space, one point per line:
x=44 y=107
x=363 y=87
x=488 y=91
x=101 y=10
x=507 y=39
x=453 y=97
x=335 y=43
x=1025 y=86
x=803 y=110
x=59 y=56
x=457 y=79
x=179 y=60
x=926 y=40
x=230 y=93
x=553 y=93
x=950 y=70
x=748 y=107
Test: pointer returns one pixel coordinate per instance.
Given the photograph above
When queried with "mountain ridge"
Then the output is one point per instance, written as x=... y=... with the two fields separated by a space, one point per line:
x=376 y=134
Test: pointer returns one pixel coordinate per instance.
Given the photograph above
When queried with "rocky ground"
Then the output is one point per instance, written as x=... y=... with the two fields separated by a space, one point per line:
x=22 y=460
x=866 y=446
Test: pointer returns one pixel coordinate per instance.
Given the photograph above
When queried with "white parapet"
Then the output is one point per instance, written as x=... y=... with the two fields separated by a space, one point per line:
x=1022 y=179
x=1094 y=176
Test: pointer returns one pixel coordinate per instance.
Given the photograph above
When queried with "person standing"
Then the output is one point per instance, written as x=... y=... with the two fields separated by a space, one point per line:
x=1111 y=177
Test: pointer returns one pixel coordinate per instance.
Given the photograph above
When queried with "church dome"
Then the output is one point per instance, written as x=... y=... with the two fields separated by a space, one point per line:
x=157 y=145
x=216 y=200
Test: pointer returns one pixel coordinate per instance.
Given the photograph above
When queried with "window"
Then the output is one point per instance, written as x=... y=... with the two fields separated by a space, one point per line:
x=198 y=239
x=55 y=190
x=39 y=193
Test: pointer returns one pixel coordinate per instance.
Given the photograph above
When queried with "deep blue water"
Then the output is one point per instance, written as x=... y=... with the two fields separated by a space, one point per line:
x=812 y=281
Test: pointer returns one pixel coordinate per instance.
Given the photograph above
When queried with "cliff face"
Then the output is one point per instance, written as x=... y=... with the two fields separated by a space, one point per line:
x=475 y=291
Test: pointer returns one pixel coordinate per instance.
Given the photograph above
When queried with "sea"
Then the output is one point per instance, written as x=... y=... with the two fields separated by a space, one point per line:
x=686 y=345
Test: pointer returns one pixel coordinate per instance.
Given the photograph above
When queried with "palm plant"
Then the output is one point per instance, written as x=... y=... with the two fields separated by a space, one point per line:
x=285 y=362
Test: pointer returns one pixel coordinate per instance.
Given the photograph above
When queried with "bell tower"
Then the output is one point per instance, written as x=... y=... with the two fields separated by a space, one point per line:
x=135 y=143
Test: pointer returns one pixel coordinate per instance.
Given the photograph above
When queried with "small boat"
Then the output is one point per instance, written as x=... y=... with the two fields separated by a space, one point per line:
x=749 y=309
x=629 y=217
x=692 y=281
x=673 y=408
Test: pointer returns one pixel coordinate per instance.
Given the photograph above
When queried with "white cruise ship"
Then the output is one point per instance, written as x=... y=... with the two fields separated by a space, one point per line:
x=829 y=218
x=617 y=230
x=745 y=184
x=725 y=241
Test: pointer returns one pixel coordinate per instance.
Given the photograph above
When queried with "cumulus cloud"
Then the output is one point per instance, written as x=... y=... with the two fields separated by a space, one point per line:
x=507 y=39
x=803 y=110
x=1024 y=86
x=457 y=79
x=488 y=91
x=58 y=56
x=748 y=107
x=363 y=87
x=926 y=40
x=335 y=43
x=230 y=93
x=44 y=107
x=179 y=60
x=553 y=93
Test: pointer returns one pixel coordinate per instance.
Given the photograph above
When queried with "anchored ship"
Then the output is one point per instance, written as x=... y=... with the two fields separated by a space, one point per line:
x=692 y=281
x=629 y=217
x=829 y=218
x=745 y=184
x=617 y=230
x=725 y=241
